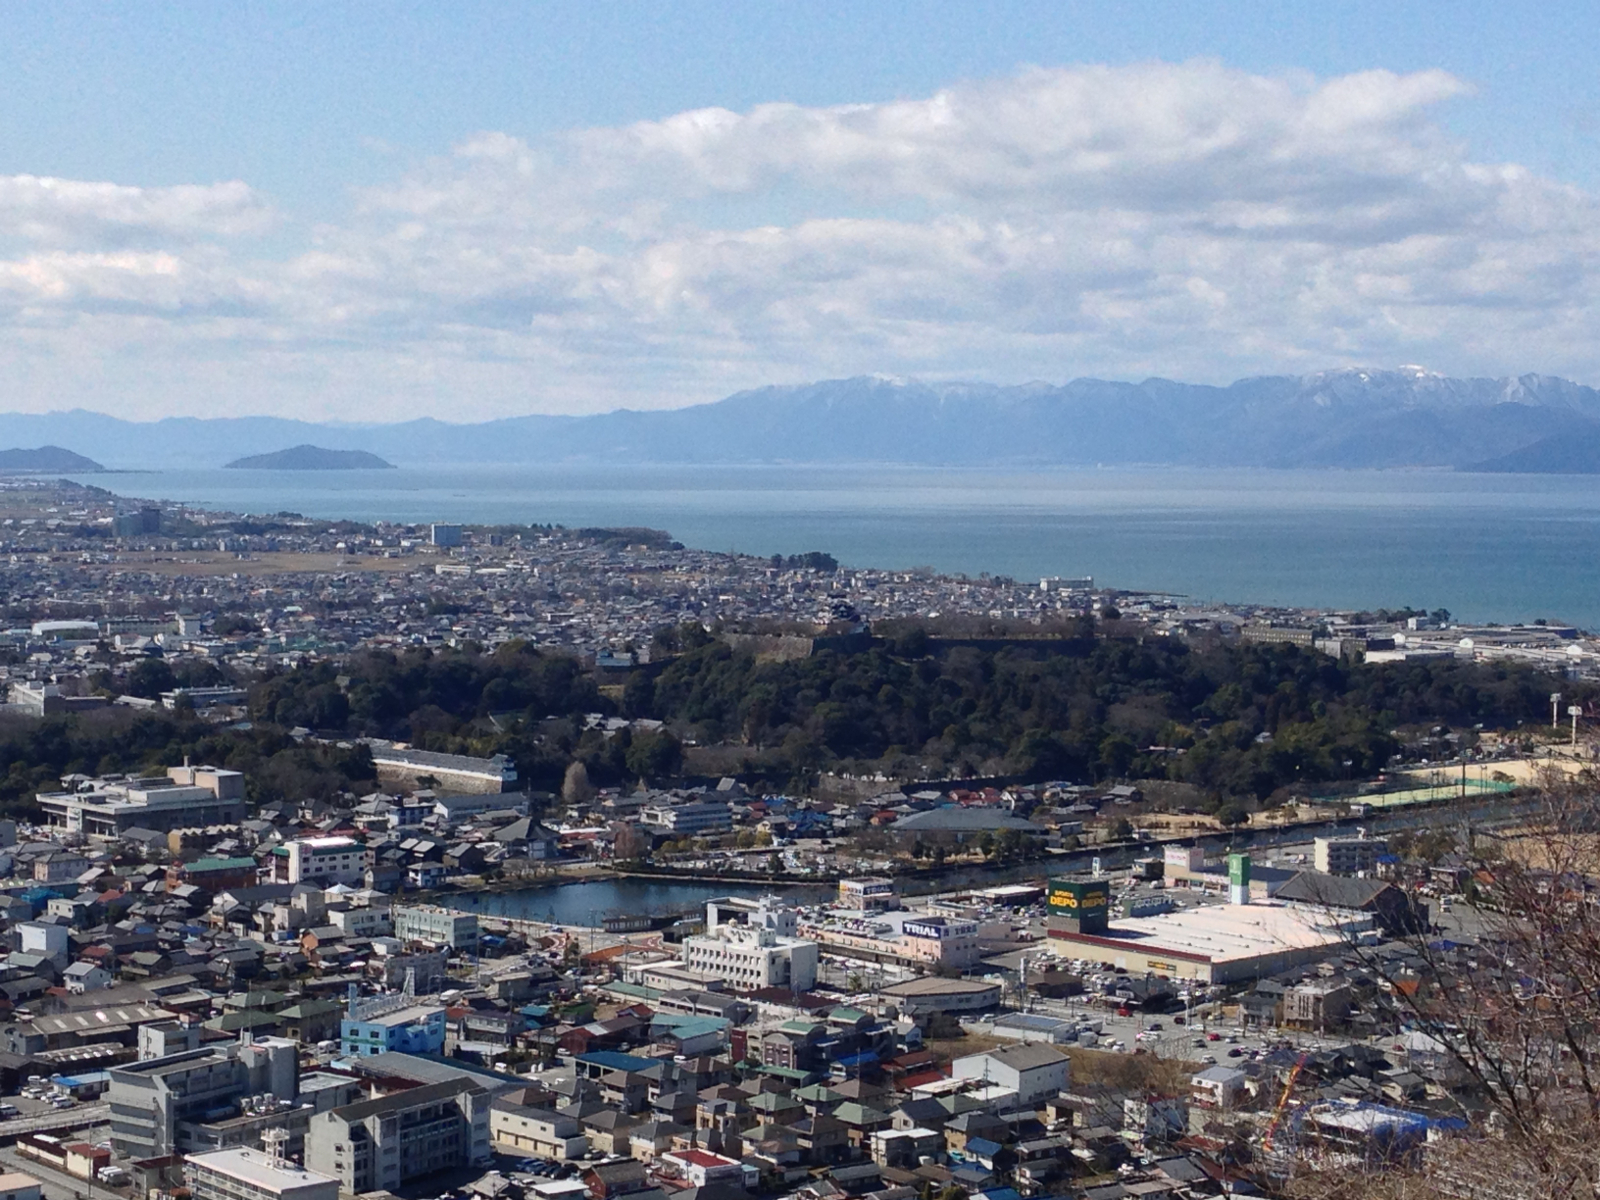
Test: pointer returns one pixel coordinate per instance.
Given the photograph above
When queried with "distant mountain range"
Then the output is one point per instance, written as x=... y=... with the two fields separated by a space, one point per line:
x=311 y=458
x=49 y=459
x=1345 y=418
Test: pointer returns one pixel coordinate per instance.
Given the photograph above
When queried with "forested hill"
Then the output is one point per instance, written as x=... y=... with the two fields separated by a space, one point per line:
x=1237 y=721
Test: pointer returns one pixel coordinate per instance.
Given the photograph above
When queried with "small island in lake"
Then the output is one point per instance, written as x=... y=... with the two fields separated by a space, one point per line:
x=312 y=458
x=46 y=459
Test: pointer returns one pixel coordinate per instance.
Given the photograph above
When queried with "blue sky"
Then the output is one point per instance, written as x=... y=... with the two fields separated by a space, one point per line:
x=390 y=209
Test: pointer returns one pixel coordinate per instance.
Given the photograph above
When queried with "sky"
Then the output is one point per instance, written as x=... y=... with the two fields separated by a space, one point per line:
x=378 y=211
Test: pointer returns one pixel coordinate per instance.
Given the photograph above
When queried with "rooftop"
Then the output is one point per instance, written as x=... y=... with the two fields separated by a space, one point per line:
x=1226 y=932
x=253 y=1166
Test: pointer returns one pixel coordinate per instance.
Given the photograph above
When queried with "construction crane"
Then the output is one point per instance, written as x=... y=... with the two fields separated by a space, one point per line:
x=1283 y=1101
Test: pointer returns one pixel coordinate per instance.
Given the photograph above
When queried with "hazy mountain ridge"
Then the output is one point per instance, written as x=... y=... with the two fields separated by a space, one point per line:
x=46 y=458
x=1345 y=418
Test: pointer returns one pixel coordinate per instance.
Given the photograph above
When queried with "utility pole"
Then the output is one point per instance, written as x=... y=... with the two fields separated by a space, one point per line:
x=1555 y=719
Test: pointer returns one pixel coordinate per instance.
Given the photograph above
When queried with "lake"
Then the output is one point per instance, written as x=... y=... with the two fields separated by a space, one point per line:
x=1487 y=547
x=591 y=902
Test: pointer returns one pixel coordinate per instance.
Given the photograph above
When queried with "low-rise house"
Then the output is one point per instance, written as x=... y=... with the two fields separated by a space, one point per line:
x=85 y=977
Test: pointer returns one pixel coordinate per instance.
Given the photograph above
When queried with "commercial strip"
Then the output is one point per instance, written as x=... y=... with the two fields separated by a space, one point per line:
x=1213 y=943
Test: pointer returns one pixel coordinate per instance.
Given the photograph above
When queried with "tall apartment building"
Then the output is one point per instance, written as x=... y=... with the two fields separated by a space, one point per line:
x=185 y=796
x=157 y=1105
x=245 y=1174
x=440 y=926
x=762 y=952
x=383 y=1144
x=1347 y=855
x=694 y=819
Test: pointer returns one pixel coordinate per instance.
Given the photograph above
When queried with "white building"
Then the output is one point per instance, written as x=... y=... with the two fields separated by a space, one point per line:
x=761 y=952
x=327 y=860
x=244 y=1174
x=1033 y=1070
x=362 y=922
x=438 y=926
x=687 y=820
x=83 y=977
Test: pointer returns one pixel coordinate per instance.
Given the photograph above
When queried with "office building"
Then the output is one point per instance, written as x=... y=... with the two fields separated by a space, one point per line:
x=385 y=1143
x=444 y=535
x=185 y=797
x=245 y=1174
x=435 y=925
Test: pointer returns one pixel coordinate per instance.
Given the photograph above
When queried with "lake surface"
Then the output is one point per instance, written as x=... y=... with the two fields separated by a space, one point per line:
x=1487 y=547
x=591 y=902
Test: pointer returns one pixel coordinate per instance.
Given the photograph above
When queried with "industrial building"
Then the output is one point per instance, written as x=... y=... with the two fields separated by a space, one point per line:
x=111 y=805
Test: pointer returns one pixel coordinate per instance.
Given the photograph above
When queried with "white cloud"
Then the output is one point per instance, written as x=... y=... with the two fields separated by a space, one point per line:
x=1188 y=220
x=42 y=209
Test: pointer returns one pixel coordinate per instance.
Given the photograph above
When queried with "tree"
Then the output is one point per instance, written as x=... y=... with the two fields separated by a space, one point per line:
x=628 y=843
x=576 y=790
x=1512 y=1021
x=654 y=756
x=572 y=955
x=1121 y=829
x=150 y=677
x=986 y=844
